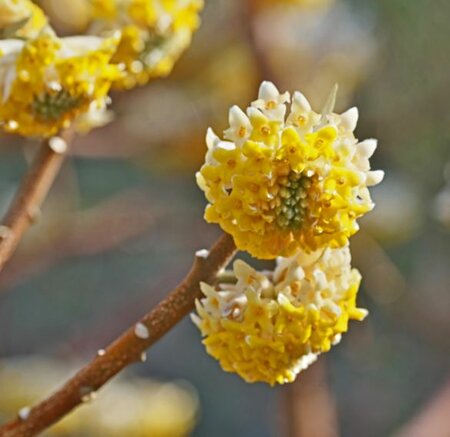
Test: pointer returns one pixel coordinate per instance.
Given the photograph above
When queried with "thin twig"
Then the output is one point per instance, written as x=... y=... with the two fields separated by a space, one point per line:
x=32 y=192
x=128 y=348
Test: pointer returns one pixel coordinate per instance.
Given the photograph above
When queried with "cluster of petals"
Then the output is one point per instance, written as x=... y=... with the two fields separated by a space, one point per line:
x=47 y=82
x=269 y=327
x=282 y=180
x=21 y=18
x=154 y=34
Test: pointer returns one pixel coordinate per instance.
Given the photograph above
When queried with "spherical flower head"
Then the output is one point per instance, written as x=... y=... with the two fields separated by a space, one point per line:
x=154 y=34
x=281 y=183
x=21 y=18
x=47 y=83
x=269 y=328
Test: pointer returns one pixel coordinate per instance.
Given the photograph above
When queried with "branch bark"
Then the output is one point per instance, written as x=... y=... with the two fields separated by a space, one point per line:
x=32 y=192
x=128 y=348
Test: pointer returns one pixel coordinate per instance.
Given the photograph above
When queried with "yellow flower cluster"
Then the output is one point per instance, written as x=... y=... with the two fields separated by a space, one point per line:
x=281 y=183
x=270 y=328
x=21 y=18
x=154 y=34
x=47 y=82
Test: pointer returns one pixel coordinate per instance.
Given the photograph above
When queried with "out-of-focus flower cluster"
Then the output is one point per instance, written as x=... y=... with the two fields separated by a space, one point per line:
x=133 y=407
x=154 y=34
x=279 y=184
x=269 y=328
x=47 y=82
x=21 y=18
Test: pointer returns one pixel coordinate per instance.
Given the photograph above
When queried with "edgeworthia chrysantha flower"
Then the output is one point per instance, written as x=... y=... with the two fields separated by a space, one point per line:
x=154 y=34
x=47 y=82
x=287 y=178
x=21 y=19
x=270 y=327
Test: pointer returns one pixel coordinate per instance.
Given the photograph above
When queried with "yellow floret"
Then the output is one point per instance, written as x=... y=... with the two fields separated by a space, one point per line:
x=269 y=330
x=278 y=185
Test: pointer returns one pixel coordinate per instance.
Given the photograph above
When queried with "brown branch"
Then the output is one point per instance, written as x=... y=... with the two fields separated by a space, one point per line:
x=31 y=194
x=128 y=348
x=309 y=408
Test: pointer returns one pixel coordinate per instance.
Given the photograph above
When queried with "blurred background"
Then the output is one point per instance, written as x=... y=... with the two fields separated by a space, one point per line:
x=123 y=221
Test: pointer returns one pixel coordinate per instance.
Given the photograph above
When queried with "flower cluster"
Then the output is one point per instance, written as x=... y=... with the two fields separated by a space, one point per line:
x=281 y=183
x=47 y=82
x=154 y=34
x=270 y=328
x=288 y=185
x=21 y=18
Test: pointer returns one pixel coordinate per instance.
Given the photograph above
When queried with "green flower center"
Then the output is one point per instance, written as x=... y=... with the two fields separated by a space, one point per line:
x=293 y=194
x=51 y=106
x=154 y=41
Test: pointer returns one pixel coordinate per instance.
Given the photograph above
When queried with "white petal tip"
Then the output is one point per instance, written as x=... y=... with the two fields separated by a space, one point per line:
x=367 y=148
x=241 y=268
x=374 y=177
x=301 y=102
x=349 y=119
x=268 y=91
x=205 y=288
x=237 y=116
x=282 y=299
x=211 y=138
x=196 y=319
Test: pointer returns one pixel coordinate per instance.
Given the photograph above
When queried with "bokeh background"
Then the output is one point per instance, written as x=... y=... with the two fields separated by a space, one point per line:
x=123 y=221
